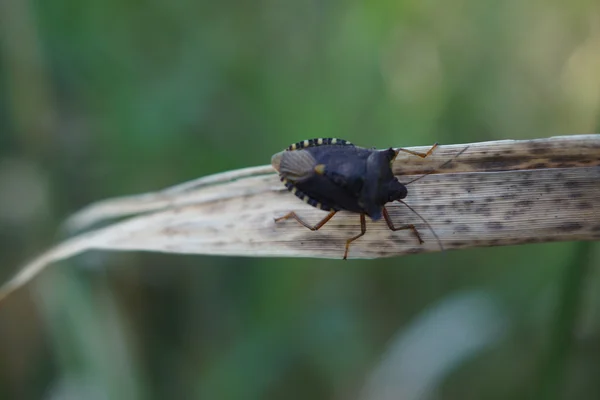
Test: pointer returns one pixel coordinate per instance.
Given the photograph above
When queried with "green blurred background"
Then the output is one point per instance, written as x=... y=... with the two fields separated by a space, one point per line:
x=110 y=98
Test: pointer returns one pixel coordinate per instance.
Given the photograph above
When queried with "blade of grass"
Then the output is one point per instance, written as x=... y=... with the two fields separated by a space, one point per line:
x=555 y=363
x=495 y=193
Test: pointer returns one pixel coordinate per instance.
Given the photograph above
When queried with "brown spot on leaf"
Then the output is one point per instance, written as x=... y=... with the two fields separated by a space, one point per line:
x=462 y=228
x=494 y=225
x=523 y=203
x=571 y=184
x=538 y=148
x=570 y=226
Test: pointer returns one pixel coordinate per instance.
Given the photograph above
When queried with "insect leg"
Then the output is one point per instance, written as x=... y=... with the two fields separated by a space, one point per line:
x=363 y=230
x=390 y=224
x=316 y=227
x=416 y=153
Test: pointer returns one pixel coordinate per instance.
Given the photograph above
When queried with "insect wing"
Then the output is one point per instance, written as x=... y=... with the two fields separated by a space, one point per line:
x=339 y=179
x=295 y=166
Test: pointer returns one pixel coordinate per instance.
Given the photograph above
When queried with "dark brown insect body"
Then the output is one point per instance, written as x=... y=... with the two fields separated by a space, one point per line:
x=333 y=175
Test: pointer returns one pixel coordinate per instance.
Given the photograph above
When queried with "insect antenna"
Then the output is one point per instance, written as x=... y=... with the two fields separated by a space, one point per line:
x=426 y=223
x=441 y=166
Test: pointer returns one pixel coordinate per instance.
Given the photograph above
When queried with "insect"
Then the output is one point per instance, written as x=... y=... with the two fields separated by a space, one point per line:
x=333 y=175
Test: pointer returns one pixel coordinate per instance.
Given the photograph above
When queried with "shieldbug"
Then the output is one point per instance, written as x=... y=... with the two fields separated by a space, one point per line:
x=334 y=175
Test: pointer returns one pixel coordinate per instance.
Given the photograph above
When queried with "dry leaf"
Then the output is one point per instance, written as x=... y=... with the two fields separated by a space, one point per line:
x=495 y=193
